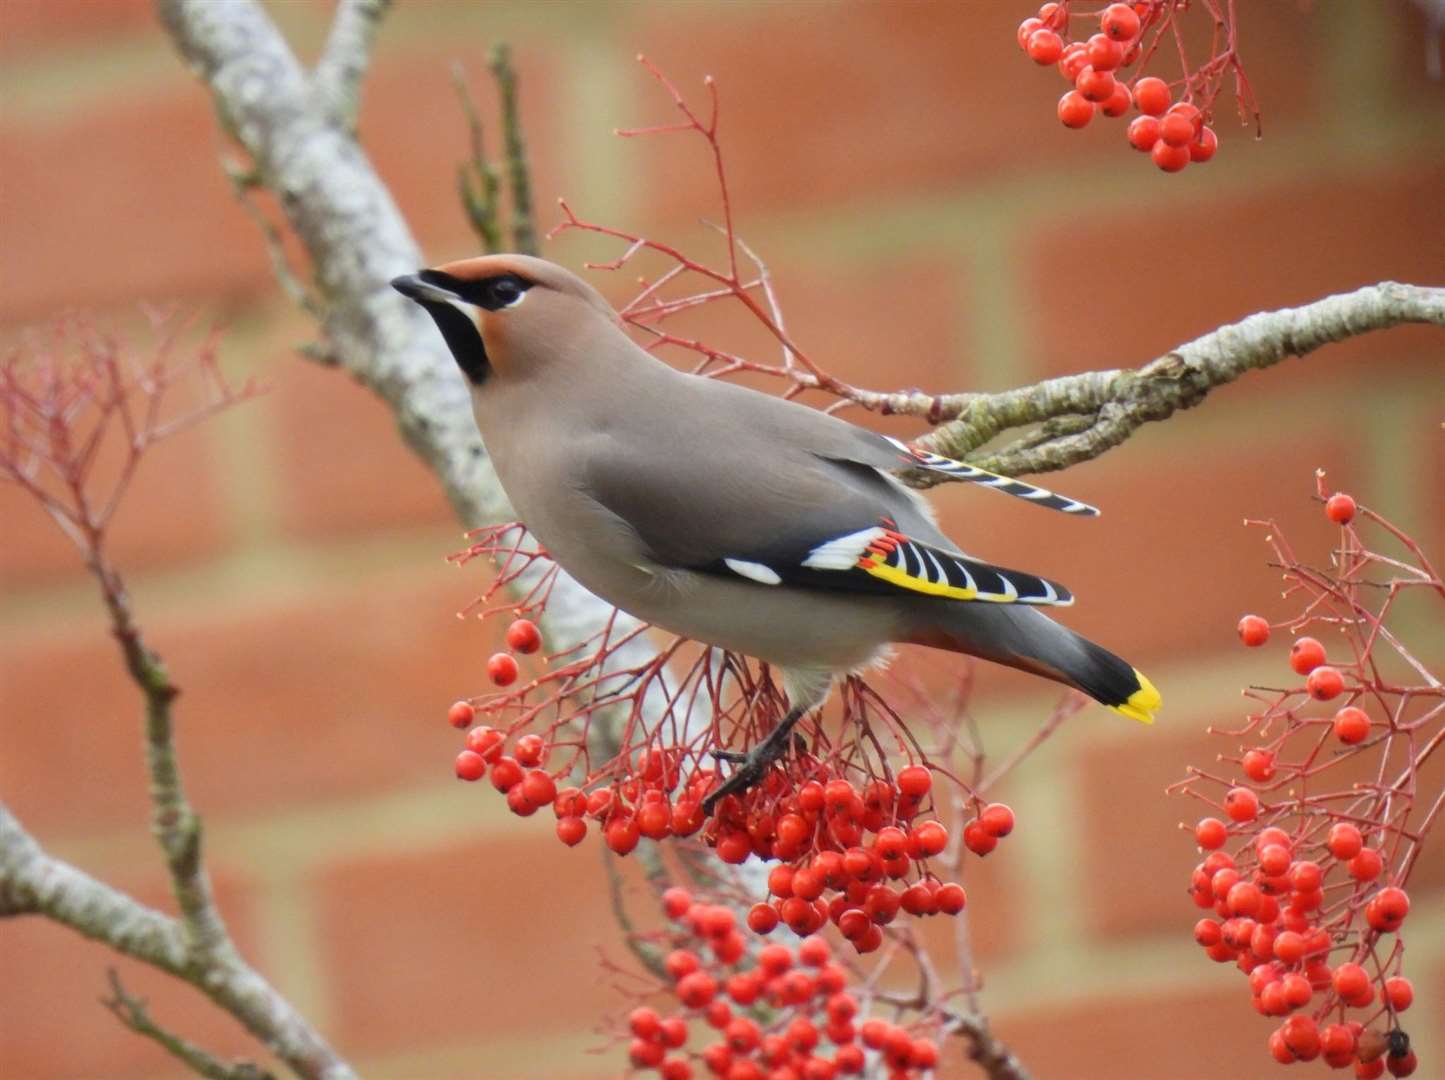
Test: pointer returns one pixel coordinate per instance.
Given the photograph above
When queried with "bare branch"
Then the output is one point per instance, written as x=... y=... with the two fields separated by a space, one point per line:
x=1096 y=411
x=132 y=1012
x=478 y=182
x=524 y=231
x=345 y=57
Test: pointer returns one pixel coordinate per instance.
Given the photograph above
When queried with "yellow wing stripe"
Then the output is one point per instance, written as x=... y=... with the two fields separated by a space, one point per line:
x=904 y=580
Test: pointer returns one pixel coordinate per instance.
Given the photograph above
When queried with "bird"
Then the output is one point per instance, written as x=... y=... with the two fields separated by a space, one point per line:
x=733 y=517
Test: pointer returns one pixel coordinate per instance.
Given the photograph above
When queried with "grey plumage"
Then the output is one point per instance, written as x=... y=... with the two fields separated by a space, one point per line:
x=730 y=516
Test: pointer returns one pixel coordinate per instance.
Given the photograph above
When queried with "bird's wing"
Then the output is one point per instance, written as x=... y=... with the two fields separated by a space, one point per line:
x=778 y=515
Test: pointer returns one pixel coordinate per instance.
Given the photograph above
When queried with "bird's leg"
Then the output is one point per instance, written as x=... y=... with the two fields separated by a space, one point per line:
x=752 y=765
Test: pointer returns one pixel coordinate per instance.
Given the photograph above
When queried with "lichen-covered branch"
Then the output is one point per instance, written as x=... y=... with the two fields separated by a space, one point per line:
x=344 y=59
x=1085 y=415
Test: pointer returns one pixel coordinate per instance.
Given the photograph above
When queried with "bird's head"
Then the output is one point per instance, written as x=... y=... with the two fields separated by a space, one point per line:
x=505 y=314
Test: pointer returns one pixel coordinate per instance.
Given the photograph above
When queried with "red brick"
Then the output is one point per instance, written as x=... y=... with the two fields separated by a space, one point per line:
x=486 y=939
x=347 y=470
x=820 y=106
x=28 y=24
x=1183 y=1034
x=97 y=212
x=173 y=511
x=1223 y=260
x=323 y=696
x=53 y=1023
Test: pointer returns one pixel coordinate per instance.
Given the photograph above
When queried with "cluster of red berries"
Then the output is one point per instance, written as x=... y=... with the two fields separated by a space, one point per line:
x=843 y=853
x=1285 y=902
x=1173 y=134
x=522 y=637
x=777 y=1013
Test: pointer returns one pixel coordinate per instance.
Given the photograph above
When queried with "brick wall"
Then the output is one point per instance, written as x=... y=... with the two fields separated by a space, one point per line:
x=929 y=223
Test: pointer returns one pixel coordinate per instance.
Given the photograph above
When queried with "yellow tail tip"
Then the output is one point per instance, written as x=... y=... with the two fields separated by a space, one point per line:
x=1142 y=703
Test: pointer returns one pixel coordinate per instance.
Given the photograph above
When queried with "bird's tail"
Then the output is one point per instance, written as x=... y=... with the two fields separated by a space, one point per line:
x=1024 y=637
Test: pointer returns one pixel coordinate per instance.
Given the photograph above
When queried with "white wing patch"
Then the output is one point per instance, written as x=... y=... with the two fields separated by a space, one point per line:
x=843 y=552
x=753 y=571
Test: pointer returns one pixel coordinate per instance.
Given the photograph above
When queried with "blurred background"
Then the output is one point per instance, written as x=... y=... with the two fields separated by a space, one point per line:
x=928 y=223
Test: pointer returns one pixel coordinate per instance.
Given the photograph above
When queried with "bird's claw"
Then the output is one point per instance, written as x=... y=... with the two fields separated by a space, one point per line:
x=752 y=765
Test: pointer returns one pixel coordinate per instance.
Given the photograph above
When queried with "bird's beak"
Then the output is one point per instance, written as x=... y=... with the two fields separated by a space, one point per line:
x=416 y=287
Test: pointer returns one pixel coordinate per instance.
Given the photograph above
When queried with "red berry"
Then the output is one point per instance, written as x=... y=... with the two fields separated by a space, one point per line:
x=676 y=1069
x=1104 y=52
x=1176 y=129
x=539 y=787
x=1351 y=982
x=951 y=898
x=531 y=749
x=644 y=1022
x=1253 y=630
x=1210 y=833
x=470 y=765
x=1120 y=22
x=1118 y=102
x=997 y=820
x=1305 y=655
x=646 y=1054
x=485 y=741
x=622 y=835
x=506 y=774
x=1094 y=85
x=1258 y=764
x=1404 y=1065
x=523 y=636
x=1204 y=145
x=461 y=714
x=1044 y=47
x=1152 y=96
x=1302 y=1036
x=931 y=837
x=978 y=839
x=1143 y=133
x=1366 y=866
x=1399 y=992
x=1344 y=840
x=1074 y=59
x=914 y=781
x=1186 y=110
x=502 y=669
x=1340 y=508
x=674 y=1032
x=654 y=819
x=762 y=918
x=1026 y=30
x=1352 y=725
x=1325 y=683
x=1169 y=158
x=696 y=989
x=1241 y=804
x=518 y=803
x=1074 y=110
x=571 y=830
x=1387 y=909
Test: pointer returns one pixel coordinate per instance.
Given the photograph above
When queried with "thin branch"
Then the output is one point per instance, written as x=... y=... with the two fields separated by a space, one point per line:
x=132 y=1012
x=345 y=58
x=524 y=231
x=478 y=182
x=1097 y=411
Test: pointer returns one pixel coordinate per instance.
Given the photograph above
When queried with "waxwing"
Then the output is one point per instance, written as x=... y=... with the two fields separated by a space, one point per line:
x=731 y=516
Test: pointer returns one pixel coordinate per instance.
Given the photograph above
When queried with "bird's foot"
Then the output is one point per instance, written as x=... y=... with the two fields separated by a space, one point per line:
x=752 y=765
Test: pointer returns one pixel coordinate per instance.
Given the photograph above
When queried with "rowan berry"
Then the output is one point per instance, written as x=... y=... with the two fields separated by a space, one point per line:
x=622 y=835
x=1352 y=724
x=523 y=636
x=1350 y=982
x=1305 y=655
x=1241 y=804
x=1366 y=866
x=1344 y=841
x=1027 y=29
x=1075 y=111
x=1398 y=992
x=978 y=839
x=1118 y=101
x=1152 y=96
x=461 y=714
x=1044 y=47
x=470 y=766
x=1340 y=508
x=1302 y=1036
x=676 y=1069
x=1094 y=85
x=571 y=830
x=646 y=1054
x=1403 y=1064
x=1274 y=860
x=1204 y=146
x=696 y=989
x=1387 y=909
x=1258 y=764
x=1120 y=22
x=506 y=774
x=531 y=749
x=1325 y=683
x=674 y=1032
x=1176 y=129
x=502 y=669
x=1169 y=158
x=1074 y=59
x=951 y=898
x=1210 y=833
x=1253 y=630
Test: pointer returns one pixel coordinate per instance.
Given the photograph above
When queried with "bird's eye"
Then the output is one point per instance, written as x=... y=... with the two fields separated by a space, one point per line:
x=506 y=291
